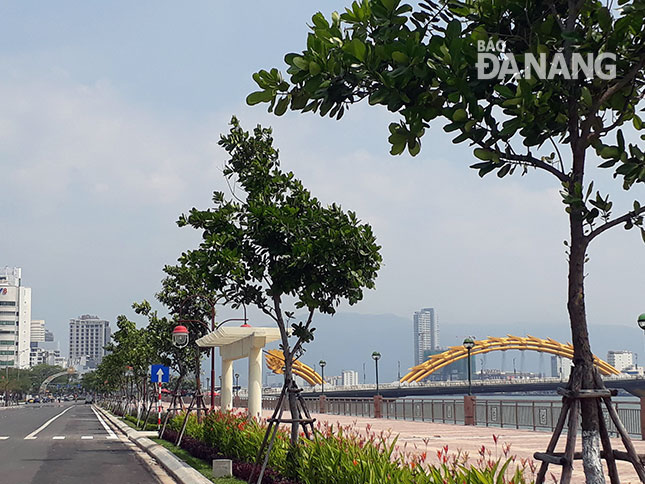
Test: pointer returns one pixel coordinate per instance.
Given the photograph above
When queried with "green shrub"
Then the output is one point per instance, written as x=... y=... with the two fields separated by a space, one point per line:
x=343 y=455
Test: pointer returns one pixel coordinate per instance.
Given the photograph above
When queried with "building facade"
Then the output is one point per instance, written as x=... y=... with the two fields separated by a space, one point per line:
x=426 y=333
x=350 y=378
x=15 y=319
x=37 y=331
x=621 y=360
x=88 y=336
x=561 y=367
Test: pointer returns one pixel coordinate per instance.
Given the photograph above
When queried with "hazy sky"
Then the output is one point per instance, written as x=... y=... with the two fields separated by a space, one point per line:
x=110 y=114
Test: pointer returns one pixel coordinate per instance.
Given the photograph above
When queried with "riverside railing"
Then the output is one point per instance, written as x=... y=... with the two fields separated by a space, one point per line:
x=503 y=413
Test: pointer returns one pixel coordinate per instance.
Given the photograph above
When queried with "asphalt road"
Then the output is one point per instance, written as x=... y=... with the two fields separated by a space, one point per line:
x=64 y=443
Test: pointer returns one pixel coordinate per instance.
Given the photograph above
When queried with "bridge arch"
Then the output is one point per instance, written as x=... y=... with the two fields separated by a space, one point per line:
x=275 y=363
x=51 y=378
x=456 y=353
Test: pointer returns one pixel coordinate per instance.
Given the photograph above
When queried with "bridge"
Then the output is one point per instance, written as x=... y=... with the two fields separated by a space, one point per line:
x=632 y=385
x=410 y=386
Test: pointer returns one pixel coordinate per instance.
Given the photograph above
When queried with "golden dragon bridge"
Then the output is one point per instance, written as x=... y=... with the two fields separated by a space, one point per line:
x=456 y=353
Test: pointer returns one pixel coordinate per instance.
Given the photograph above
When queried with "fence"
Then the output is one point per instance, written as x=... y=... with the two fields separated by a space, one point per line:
x=517 y=414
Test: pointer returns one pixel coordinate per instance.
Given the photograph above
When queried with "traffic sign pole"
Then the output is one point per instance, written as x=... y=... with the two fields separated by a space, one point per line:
x=159 y=377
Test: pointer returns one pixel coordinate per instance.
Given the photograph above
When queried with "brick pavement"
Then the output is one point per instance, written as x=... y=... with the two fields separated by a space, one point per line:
x=471 y=438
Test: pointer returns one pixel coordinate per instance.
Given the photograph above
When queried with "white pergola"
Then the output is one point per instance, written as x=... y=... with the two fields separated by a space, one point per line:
x=241 y=342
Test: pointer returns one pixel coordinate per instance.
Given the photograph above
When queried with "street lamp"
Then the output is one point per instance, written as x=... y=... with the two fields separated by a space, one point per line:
x=469 y=344
x=641 y=322
x=237 y=384
x=180 y=336
x=376 y=356
x=322 y=364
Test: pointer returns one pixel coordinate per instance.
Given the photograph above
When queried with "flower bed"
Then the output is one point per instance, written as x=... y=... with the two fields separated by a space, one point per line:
x=342 y=455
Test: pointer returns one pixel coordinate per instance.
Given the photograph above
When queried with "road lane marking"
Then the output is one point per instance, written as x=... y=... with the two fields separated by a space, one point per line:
x=111 y=435
x=59 y=437
x=87 y=437
x=32 y=435
x=4 y=438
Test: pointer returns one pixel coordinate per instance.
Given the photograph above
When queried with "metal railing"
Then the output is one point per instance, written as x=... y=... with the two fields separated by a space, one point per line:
x=517 y=414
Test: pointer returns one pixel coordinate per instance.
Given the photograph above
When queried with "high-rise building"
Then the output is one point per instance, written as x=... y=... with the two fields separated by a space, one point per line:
x=15 y=319
x=621 y=360
x=88 y=336
x=561 y=367
x=426 y=333
x=37 y=331
x=350 y=378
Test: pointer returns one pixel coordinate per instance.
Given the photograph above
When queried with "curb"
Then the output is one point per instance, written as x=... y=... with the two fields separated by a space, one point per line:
x=177 y=468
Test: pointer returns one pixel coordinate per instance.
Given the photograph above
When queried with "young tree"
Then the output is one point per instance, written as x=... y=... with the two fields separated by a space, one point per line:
x=275 y=246
x=159 y=330
x=423 y=64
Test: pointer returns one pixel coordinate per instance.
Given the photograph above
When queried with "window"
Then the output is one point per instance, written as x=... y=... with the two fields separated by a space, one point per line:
x=7 y=303
x=7 y=343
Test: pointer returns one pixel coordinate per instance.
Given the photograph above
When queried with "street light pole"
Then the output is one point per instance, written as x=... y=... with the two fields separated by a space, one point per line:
x=237 y=384
x=641 y=322
x=376 y=356
x=468 y=344
x=322 y=364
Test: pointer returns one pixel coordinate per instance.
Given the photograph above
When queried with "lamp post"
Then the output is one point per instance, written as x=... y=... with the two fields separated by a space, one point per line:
x=468 y=344
x=641 y=322
x=322 y=364
x=237 y=384
x=376 y=356
x=211 y=303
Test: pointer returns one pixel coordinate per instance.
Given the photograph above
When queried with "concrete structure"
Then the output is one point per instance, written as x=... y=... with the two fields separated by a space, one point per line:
x=37 y=331
x=88 y=336
x=561 y=367
x=621 y=360
x=236 y=343
x=350 y=378
x=426 y=333
x=15 y=319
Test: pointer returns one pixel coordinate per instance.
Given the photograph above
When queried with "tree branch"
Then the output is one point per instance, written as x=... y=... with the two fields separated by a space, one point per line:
x=612 y=223
x=298 y=344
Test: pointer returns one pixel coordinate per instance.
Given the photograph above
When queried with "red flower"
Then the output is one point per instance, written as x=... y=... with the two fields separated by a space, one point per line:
x=354 y=462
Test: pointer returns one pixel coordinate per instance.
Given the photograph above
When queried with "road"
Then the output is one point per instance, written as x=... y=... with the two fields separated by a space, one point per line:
x=65 y=443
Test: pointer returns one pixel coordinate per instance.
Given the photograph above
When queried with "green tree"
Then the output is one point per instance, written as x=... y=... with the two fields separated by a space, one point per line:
x=184 y=294
x=275 y=246
x=159 y=330
x=422 y=64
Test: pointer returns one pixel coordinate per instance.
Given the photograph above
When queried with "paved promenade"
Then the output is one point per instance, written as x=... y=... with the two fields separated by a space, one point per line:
x=523 y=443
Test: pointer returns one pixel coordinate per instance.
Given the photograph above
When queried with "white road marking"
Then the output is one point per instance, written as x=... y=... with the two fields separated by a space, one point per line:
x=4 y=438
x=111 y=435
x=32 y=435
x=87 y=437
x=59 y=437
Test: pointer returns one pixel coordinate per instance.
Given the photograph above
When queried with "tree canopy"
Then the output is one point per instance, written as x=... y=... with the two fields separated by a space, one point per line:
x=272 y=242
x=427 y=64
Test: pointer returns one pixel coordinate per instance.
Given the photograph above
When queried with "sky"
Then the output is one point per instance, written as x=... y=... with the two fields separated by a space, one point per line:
x=110 y=114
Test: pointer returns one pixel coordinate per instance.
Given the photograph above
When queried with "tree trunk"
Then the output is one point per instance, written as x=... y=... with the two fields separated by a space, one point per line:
x=582 y=375
x=292 y=397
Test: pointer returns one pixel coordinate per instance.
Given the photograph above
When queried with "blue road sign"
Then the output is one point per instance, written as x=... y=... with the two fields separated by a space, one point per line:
x=159 y=373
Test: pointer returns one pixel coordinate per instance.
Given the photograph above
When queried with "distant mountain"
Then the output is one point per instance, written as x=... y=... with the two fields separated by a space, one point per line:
x=347 y=340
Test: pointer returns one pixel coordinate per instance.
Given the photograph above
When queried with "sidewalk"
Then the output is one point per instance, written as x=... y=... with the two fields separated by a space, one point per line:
x=523 y=443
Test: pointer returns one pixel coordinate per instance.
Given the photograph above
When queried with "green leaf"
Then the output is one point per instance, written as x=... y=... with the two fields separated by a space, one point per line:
x=604 y=18
x=400 y=57
x=301 y=63
x=259 y=97
x=483 y=154
x=460 y=115
x=282 y=106
x=357 y=49
x=314 y=68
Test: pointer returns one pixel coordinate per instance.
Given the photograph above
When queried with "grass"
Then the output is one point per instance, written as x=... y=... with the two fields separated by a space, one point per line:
x=203 y=467
x=132 y=423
